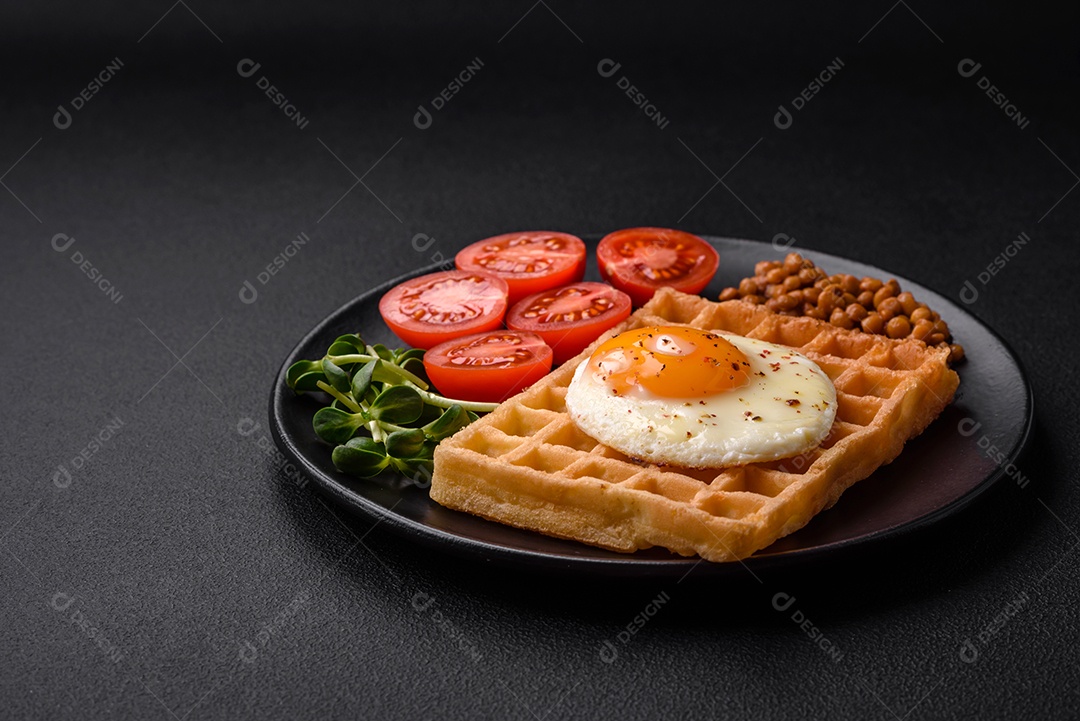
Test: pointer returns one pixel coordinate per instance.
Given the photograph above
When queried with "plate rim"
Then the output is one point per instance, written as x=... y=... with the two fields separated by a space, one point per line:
x=624 y=564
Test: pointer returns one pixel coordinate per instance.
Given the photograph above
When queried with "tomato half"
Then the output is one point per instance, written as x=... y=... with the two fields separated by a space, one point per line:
x=428 y=310
x=641 y=260
x=571 y=317
x=529 y=261
x=488 y=367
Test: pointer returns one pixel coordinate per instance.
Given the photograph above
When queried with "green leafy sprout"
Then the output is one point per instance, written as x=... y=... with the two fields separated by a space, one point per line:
x=383 y=414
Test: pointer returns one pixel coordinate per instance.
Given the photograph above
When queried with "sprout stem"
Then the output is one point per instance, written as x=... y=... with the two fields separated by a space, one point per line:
x=377 y=434
x=349 y=402
x=387 y=426
x=397 y=370
x=339 y=360
x=442 y=402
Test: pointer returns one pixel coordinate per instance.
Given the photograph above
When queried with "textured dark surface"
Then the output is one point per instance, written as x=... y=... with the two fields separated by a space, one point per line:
x=198 y=581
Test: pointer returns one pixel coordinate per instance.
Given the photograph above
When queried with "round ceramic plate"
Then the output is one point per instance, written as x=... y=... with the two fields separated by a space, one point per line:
x=936 y=475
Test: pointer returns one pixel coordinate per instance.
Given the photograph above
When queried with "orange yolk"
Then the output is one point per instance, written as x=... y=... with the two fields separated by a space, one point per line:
x=669 y=362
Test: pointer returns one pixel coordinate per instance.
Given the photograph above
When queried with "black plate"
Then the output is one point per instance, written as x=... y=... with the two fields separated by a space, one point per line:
x=938 y=473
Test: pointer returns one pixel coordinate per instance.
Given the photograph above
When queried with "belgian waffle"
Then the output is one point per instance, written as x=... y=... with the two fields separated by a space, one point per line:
x=528 y=465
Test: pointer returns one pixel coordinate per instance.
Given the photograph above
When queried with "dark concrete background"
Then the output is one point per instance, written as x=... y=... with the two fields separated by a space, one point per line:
x=196 y=581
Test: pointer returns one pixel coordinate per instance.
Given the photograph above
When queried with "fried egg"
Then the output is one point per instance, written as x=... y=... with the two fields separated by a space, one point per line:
x=686 y=397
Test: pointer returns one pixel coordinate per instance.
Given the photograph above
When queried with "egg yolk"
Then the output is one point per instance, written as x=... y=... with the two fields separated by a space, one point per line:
x=669 y=362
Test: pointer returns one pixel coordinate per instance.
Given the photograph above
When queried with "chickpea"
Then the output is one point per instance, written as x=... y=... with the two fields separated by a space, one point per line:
x=841 y=319
x=826 y=302
x=788 y=301
x=920 y=313
x=796 y=287
x=873 y=323
x=870 y=284
x=856 y=312
x=907 y=300
x=898 y=327
x=923 y=329
x=882 y=293
x=889 y=308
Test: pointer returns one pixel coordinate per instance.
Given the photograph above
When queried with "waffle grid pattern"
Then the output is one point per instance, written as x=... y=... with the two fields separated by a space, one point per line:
x=528 y=465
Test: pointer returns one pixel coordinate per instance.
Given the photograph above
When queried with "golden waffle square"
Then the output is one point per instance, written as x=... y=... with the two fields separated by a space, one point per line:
x=528 y=465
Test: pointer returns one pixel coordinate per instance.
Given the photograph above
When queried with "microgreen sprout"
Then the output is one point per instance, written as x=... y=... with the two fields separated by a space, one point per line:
x=383 y=414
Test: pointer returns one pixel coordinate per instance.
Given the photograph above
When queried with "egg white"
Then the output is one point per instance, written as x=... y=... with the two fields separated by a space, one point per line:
x=787 y=407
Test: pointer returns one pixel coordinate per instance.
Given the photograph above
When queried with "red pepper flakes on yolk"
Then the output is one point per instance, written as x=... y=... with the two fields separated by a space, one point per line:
x=670 y=362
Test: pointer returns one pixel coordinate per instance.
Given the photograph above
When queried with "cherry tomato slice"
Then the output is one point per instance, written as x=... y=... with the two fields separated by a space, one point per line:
x=433 y=308
x=488 y=367
x=529 y=261
x=639 y=261
x=571 y=317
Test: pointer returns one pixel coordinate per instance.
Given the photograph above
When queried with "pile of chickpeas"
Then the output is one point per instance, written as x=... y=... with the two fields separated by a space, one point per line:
x=795 y=286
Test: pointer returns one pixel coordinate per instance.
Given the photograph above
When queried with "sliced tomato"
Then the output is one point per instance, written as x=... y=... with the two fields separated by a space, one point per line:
x=488 y=367
x=529 y=261
x=571 y=317
x=639 y=261
x=433 y=308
